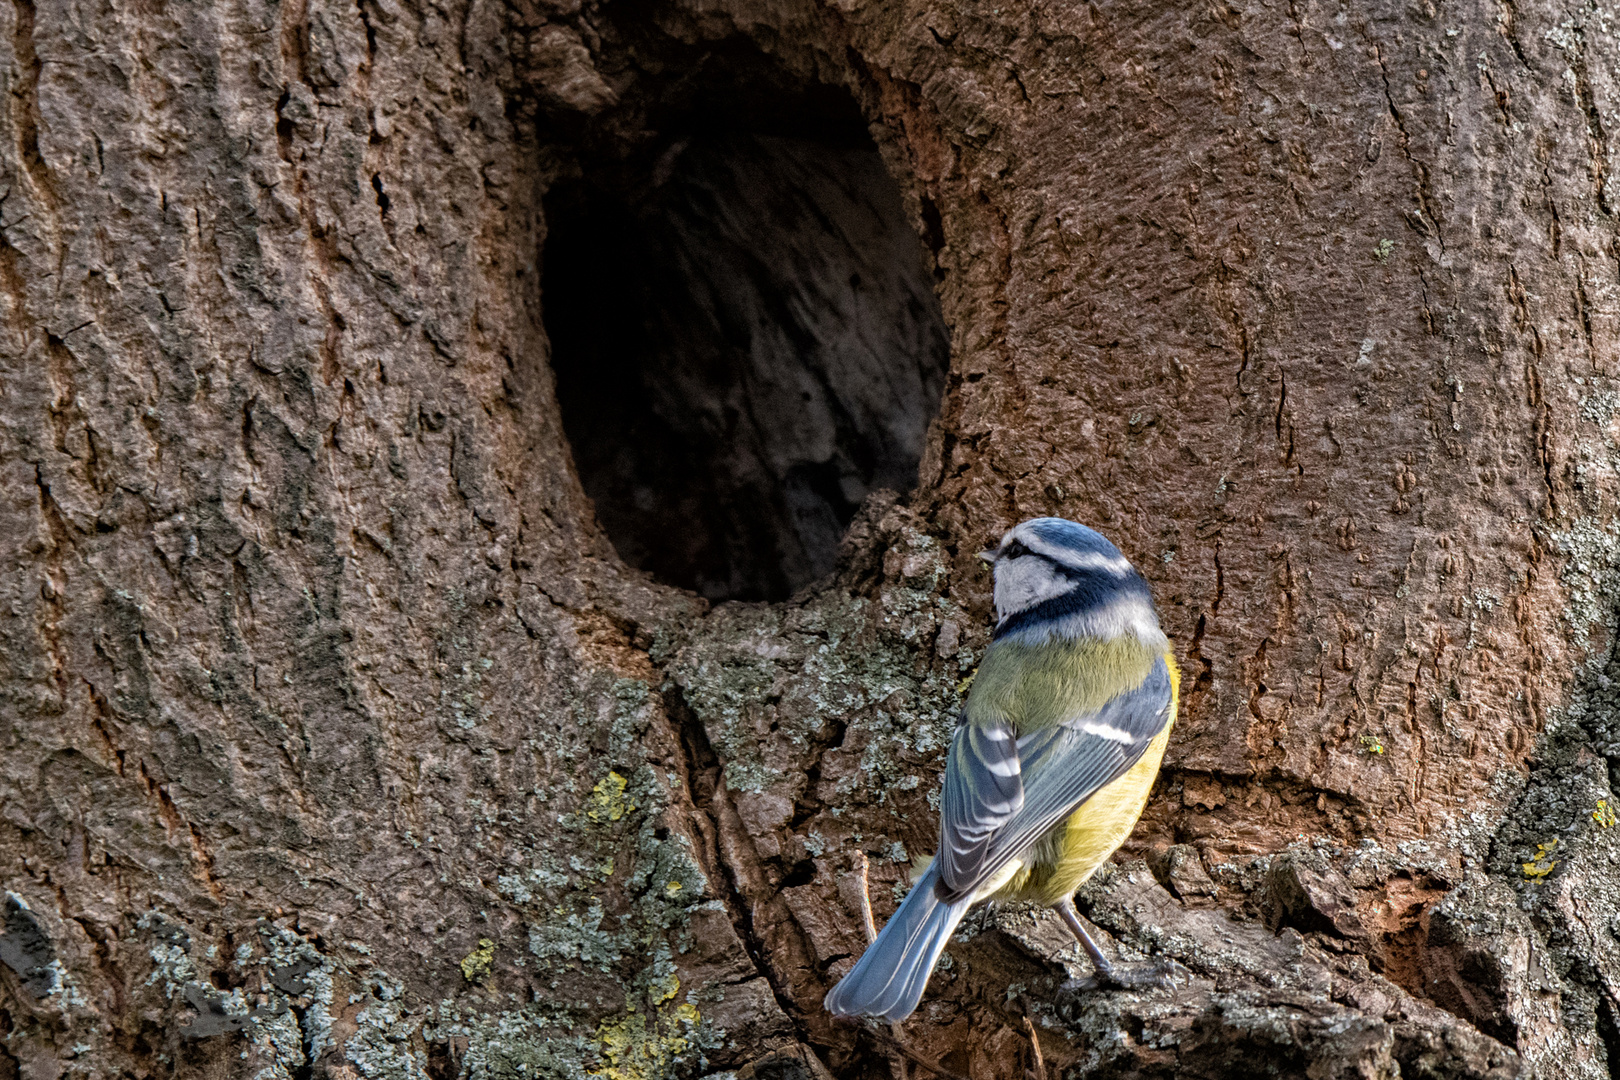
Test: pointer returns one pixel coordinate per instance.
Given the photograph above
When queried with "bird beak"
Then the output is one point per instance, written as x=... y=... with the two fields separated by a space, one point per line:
x=988 y=556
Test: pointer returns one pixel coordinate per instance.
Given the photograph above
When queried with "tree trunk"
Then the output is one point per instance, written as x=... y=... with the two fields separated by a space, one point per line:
x=339 y=740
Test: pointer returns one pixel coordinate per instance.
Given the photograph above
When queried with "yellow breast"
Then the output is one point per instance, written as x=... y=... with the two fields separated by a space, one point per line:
x=1063 y=860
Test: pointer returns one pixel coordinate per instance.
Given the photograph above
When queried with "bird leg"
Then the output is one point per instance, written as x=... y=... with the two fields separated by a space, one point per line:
x=1108 y=975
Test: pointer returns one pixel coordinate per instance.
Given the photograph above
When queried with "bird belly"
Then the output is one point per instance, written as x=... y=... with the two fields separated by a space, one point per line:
x=1062 y=860
x=1007 y=878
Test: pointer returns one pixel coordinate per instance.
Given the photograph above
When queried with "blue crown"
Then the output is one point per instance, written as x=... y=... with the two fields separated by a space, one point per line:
x=1061 y=532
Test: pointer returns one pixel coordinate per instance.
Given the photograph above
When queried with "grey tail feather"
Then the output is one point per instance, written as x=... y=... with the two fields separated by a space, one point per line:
x=889 y=978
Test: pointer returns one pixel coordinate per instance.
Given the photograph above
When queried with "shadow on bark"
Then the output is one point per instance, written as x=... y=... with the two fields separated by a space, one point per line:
x=746 y=344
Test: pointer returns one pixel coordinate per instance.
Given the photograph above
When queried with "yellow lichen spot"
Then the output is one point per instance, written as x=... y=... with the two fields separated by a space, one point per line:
x=1604 y=814
x=967 y=684
x=618 y=1040
x=476 y=964
x=1372 y=744
x=672 y=889
x=1543 y=863
x=607 y=799
x=633 y=1052
x=687 y=1013
x=666 y=990
x=605 y=868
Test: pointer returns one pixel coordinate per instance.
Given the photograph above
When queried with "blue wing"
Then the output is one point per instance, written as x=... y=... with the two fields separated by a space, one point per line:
x=1001 y=795
x=983 y=788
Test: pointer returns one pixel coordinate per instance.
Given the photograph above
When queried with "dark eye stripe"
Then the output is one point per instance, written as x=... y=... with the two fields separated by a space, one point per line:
x=1016 y=549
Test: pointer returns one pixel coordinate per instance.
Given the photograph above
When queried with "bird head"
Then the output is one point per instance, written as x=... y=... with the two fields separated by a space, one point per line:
x=1057 y=578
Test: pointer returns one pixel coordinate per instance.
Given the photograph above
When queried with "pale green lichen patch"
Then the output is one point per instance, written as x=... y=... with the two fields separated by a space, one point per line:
x=577 y=937
x=569 y=927
x=517 y=1046
x=382 y=1047
x=520 y=887
x=294 y=966
x=538 y=1042
x=1599 y=408
x=281 y=1038
x=1589 y=576
x=283 y=1011
x=171 y=967
x=607 y=901
x=769 y=683
x=666 y=880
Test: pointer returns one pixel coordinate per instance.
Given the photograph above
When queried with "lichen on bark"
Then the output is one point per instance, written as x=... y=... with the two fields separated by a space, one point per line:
x=339 y=741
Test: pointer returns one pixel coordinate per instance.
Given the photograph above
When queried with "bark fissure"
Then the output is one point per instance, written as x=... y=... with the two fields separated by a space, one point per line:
x=1599 y=149
x=725 y=840
x=1427 y=220
x=1507 y=25
x=25 y=100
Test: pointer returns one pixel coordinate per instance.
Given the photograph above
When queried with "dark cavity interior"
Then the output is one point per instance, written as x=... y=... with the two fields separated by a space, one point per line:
x=746 y=343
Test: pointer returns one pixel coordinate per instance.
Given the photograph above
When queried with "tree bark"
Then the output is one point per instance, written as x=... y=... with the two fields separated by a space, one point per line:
x=338 y=740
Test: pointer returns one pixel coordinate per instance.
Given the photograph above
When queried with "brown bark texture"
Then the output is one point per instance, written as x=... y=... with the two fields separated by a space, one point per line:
x=338 y=740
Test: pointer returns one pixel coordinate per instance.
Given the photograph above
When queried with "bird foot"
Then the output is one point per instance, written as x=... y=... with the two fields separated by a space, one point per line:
x=1154 y=975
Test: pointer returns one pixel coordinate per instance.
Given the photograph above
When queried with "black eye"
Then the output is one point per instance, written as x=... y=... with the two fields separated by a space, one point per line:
x=1014 y=550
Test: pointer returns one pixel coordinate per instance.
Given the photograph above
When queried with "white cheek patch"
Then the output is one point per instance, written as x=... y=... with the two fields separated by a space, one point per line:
x=1107 y=731
x=1025 y=582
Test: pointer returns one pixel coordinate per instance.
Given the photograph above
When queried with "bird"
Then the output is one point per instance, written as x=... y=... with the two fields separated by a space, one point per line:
x=1056 y=749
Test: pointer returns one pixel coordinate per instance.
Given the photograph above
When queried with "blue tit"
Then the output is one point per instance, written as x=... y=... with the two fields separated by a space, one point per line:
x=1058 y=744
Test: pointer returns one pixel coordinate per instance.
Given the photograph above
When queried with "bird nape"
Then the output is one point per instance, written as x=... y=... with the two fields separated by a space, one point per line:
x=1055 y=752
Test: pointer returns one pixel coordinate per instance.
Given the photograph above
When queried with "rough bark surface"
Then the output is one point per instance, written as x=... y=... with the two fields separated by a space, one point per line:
x=338 y=740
